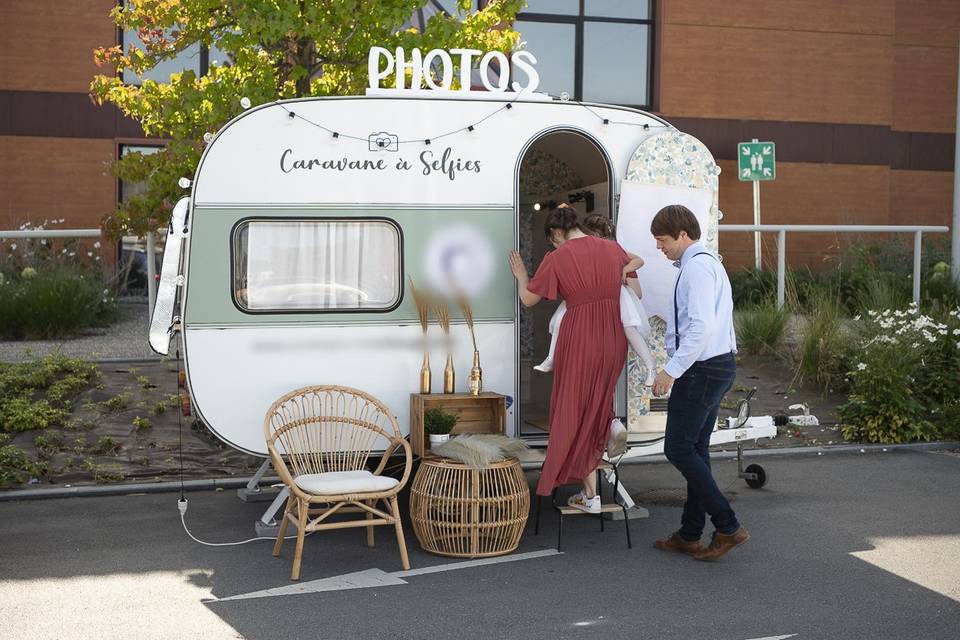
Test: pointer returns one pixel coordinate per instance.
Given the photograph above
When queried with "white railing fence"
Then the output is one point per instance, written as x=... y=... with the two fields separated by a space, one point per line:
x=782 y=229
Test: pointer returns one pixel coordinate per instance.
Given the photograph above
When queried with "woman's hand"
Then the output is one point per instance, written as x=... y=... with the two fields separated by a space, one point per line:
x=519 y=269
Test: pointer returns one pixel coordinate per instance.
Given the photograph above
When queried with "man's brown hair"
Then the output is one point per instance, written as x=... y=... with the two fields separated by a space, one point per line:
x=673 y=219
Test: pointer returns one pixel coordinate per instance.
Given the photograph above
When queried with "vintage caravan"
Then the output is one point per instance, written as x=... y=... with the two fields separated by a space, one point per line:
x=291 y=261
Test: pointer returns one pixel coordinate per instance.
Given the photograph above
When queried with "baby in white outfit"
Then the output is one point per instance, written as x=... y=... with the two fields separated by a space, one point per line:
x=636 y=326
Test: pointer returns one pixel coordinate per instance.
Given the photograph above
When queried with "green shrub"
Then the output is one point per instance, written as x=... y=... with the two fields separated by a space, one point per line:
x=879 y=291
x=48 y=444
x=903 y=381
x=23 y=414
x=103 y=473
x=760 y=328
x=106 y=444
x=142 y=424
x=37 y=394
x=751 y=287
x=16 y=467
x=117 y=402
x=823 y=350
x=58 y=301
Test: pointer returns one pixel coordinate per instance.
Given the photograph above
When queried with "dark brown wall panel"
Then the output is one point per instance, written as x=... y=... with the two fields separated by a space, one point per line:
x=47 y=45
x=930 y=23
x=48 y=178
x=839 y=16
x=925 y=89
x=719 y=72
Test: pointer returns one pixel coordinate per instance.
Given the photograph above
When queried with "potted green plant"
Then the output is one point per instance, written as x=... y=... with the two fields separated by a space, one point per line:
x=438 y=423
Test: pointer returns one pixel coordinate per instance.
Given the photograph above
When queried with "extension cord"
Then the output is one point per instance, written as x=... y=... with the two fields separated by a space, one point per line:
x=182 y=508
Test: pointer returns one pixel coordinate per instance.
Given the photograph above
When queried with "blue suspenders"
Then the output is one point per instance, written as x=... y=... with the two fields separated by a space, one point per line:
x=676 y=312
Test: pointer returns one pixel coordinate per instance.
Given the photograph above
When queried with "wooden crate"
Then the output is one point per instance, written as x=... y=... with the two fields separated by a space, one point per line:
x=485 y=413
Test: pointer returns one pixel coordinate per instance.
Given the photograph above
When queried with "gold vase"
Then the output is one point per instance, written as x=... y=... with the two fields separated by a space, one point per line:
x=448 y=375
x=476 y=375
x=425 y=377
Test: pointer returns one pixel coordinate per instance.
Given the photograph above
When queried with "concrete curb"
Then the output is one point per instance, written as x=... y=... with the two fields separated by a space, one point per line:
x=237 y=483
x=90 y=491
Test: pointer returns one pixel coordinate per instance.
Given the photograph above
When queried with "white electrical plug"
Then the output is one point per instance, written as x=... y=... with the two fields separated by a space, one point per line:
x=182 y=505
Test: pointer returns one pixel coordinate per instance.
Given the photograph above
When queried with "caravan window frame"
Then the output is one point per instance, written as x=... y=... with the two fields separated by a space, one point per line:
x=401 y=291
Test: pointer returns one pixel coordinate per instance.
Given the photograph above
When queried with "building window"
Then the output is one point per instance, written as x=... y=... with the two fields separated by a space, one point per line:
x=595 y=50
x=317 y=265
x=193 y=58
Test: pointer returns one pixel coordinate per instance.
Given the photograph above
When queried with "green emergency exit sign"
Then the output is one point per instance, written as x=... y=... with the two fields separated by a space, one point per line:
x=757 y=161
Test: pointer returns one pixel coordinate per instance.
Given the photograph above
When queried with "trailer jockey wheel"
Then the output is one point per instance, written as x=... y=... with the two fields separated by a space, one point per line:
x=755 y=476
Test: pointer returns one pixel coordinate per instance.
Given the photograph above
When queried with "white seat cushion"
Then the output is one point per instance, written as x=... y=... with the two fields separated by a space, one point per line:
x=340 y=482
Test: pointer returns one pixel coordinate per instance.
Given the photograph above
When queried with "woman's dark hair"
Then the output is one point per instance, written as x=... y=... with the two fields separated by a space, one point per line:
x=563 y=217
x=673 y=219
x=597 y=225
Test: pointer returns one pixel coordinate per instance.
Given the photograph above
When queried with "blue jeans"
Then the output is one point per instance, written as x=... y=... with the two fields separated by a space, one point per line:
x=691 y=416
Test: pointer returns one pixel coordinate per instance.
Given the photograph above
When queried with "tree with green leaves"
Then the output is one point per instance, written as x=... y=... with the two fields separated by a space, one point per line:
x=275 y=49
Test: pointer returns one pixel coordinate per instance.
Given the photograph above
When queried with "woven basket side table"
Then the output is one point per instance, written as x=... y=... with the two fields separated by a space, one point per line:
x=464 y=512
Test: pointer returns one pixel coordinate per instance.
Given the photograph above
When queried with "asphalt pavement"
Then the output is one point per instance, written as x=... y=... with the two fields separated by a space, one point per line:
x=843 y=546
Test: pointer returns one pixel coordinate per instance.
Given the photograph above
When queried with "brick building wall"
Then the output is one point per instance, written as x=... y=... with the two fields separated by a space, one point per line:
x=859 y=96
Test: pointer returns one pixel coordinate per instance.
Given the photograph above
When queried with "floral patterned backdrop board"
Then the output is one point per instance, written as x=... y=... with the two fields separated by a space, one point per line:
x=676 y=159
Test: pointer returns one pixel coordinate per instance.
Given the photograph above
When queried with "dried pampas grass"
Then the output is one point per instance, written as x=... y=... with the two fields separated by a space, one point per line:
x=442 y=312
x=478 y=450
x=468 y=317
x=423 y=305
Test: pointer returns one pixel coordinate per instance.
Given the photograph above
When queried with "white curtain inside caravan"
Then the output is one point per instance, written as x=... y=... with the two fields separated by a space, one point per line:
x=308 y=265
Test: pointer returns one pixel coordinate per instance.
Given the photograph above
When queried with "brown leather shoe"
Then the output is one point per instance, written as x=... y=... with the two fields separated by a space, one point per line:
x=722 y=543
x=678 y=544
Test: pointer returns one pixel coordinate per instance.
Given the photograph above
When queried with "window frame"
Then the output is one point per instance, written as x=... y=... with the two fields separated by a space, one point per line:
x=401 y=291
x=579 y=21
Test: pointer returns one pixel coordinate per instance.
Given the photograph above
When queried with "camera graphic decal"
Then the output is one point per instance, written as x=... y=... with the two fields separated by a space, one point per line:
x=383 y=141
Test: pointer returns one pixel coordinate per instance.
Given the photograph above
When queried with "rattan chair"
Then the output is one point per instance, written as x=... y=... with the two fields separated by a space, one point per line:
x=319 y=439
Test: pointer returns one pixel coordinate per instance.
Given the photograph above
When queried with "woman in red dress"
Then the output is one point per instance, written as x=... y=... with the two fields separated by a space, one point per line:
x=586 y=272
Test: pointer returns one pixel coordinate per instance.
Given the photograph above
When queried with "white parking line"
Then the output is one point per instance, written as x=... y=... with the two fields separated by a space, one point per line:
x=378 y=578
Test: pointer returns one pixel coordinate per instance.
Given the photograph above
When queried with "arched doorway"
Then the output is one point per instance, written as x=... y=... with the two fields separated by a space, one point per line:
x=560 y=166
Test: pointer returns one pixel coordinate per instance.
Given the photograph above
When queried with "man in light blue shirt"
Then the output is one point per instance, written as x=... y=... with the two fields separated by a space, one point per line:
x=701 y=345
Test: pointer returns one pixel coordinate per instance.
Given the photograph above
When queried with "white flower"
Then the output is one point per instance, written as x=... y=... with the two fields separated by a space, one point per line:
x=89 y=254
x=61 y=220
x=956 y=332
x=856 y=317
x=72 y=253
x=96 y=245
x=861 y=367
x=915 y=345
x=43 y=241
x=13 y=247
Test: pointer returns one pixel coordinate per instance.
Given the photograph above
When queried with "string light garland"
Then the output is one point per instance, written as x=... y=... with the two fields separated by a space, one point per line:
x=469 y=128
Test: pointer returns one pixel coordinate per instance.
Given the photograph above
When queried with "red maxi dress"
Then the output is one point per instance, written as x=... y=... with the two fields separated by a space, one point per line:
x=590 y=354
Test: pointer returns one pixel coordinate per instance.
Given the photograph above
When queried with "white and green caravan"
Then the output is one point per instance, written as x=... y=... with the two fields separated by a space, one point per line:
x=290 y=262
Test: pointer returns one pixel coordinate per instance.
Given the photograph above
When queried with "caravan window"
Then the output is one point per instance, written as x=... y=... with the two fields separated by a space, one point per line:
x=317 y=265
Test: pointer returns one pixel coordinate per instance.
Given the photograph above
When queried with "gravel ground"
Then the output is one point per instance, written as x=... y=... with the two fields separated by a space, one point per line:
x=125 y=340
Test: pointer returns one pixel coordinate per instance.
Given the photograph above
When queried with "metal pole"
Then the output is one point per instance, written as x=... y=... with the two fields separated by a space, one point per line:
x=151 y=273
x=781 y=266
x=756 y=220
x=917 y=244
x=955 y=231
